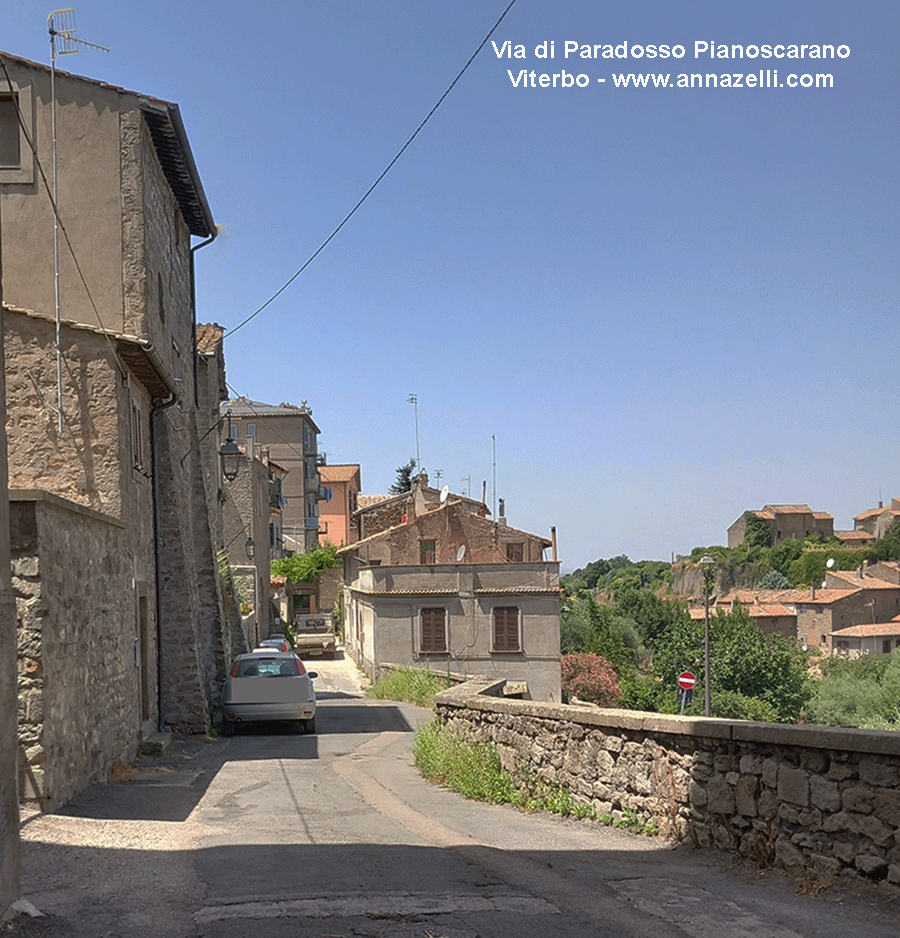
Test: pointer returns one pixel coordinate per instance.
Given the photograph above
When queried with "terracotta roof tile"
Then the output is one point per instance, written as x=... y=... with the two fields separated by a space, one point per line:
x=339 y=473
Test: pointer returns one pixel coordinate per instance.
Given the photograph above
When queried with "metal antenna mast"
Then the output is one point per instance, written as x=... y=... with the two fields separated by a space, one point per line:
x=414 y=400
x=63 y=41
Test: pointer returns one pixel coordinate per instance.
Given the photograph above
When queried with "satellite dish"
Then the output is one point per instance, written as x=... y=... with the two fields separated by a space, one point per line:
x=829 y=562
x=445 y=491
x=461 y=553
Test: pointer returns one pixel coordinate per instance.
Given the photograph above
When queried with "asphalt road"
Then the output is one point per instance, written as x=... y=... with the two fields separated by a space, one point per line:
x=274 y=833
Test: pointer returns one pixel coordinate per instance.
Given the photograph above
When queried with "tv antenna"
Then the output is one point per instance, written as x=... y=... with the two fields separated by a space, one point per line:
x=414 y=400
x=63 y=41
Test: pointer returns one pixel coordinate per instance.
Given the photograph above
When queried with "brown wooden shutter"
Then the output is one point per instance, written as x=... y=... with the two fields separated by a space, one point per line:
x=434 y=634
x=506 y=628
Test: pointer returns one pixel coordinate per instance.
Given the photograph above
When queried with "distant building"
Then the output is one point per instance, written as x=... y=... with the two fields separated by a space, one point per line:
x=876 y=521
x=290 y=435
x=785 y=522
x=335 y=514
x=448 y=589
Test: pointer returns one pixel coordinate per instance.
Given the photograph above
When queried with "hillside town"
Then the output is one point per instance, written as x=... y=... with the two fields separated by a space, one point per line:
x=147 y=503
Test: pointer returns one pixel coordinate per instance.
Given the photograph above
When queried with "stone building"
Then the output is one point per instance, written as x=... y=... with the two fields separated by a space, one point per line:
x=110 y=417
x=377 y=513
x=251 y=513
x=290 y=435
x=876 y=521
x=785 y=522
x=451 y=590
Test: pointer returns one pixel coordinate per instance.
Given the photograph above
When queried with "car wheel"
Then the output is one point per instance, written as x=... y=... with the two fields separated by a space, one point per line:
x=227 y=728
x=309 y=726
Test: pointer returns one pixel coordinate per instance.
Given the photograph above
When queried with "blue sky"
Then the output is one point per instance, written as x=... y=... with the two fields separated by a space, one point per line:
x=667 y=305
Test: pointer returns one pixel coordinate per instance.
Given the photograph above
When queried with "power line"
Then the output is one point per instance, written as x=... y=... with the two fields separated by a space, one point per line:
x=371 y=188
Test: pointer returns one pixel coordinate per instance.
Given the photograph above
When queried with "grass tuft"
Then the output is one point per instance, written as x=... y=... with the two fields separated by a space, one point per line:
x=411 y=685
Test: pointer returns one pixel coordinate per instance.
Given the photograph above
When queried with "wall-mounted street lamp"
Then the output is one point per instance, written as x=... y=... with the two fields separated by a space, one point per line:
x=706 y=564
x=250 y=547
x=230 y=457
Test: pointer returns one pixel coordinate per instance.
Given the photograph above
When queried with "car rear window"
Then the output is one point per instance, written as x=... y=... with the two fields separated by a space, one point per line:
x=261 y=666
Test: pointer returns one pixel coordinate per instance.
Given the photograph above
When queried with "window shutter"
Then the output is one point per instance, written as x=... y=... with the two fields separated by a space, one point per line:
x=434 y=637
x=506 y=628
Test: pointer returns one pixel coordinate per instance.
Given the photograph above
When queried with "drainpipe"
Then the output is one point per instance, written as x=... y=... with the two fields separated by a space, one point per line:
x=196 y=247
x=158 y=406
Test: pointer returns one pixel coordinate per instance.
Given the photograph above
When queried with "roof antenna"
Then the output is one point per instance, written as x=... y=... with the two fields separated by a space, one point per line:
x=63 y=41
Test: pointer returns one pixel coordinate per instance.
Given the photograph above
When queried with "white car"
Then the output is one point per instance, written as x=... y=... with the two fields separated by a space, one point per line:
x=268 y=686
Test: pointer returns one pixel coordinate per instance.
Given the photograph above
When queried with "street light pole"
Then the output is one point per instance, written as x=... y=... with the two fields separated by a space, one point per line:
x=706 y=562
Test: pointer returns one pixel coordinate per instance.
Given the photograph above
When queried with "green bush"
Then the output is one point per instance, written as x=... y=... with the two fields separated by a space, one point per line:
x=862 y=692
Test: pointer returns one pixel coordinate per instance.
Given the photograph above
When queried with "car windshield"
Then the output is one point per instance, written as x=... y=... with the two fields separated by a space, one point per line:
x=268 y=667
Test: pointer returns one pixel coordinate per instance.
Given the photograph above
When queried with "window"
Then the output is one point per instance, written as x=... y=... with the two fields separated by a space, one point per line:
x=515 y=553
x=426 y=552
x=886 y=646
x=506 y=628
x=251 y=430
x=434 y=629
x=137 y=437
x=233 y=430
x=10 y=152
x=16 y=161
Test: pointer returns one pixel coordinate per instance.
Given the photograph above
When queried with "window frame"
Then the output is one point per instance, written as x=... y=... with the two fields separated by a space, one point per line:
x=501 y=628
x=436 y=617
x=516 y=547
x=137 y=437
x=427 y=549
x=21 y=96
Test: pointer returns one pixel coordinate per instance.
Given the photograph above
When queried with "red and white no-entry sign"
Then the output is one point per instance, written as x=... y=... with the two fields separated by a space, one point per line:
x=687 y=680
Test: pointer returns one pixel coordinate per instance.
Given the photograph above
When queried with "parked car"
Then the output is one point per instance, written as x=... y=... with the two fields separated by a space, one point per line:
x=275 y=641
x=268 y=685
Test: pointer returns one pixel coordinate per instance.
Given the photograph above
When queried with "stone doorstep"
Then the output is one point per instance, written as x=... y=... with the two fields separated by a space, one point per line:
x=155 y=744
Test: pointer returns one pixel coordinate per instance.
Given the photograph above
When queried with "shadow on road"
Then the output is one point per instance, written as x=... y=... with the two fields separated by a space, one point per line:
x=168 y=787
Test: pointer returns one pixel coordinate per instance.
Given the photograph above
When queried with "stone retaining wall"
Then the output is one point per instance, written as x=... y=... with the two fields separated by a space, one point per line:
x=79 y=680
x=810 y=800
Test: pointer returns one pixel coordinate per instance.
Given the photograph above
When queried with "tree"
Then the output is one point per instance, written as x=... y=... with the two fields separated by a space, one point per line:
x=404 y=478
x=888 y=548
x=756 y=533
x=774 y=580
x=304 y=568
x=743 y=660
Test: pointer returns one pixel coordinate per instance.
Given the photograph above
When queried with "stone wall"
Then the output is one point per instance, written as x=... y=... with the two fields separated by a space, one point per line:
x=810 y=800
x=79 y=675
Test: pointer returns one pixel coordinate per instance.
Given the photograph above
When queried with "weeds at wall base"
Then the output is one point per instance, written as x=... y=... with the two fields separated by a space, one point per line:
x=473 y=769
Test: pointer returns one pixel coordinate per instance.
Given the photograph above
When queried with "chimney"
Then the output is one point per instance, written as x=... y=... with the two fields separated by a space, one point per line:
x=501 y=516
x=553 y=542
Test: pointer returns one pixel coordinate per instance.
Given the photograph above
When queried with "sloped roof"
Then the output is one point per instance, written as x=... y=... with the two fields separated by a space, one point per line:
x=864 y=582
x=170 y=141
x=875 y=512
x=452 y=503
x=209 y=335
x=872 y=630
x=854 y=535
x=244 y=407
x=768 y=610
x=748 y=598
x=338 y=473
